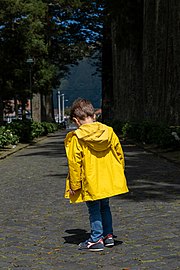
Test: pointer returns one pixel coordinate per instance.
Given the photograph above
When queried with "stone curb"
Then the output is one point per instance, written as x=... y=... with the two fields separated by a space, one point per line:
x=7 y=152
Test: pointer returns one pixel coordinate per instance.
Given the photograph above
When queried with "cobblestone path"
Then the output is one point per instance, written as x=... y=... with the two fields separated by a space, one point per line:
x=39 y=229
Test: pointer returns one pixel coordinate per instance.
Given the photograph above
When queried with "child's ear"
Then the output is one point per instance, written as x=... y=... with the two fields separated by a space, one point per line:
x=76 y=121
x=94 y=117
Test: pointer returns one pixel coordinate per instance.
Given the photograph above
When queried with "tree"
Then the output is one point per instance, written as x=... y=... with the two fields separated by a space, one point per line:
x=54 y=33
x=126 y=32
x=22 y=36
x=145 y=45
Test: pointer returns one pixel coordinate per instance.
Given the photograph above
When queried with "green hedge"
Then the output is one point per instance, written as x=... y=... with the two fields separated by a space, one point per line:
x=7 y=137
x=149 y=133
x=24 y=131
x=49 y=127
x=144 y=132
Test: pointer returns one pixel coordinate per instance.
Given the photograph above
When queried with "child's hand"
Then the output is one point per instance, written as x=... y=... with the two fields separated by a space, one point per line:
x=72 y=192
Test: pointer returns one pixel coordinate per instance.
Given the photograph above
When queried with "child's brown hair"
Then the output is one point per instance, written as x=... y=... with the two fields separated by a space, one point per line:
x=81 y=108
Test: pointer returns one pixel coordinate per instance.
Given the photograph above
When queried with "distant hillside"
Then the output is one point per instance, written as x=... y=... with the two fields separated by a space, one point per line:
x=82 y=83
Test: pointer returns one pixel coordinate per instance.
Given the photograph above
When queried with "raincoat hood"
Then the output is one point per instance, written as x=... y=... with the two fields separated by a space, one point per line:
x=96 y=135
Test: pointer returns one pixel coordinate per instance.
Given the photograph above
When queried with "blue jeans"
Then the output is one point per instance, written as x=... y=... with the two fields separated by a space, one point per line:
x=100 y=218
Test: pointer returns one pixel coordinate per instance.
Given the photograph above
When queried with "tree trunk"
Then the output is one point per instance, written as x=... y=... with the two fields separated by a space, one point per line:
x=46 y=108
x=161 y=61
x=107 y=81
x=23 y=109
x=146 y=42
x=36 y=107
x=1 y=111
x=127 y=61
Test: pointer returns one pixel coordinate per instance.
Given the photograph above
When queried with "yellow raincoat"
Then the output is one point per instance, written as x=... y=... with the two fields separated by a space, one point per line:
x=96 y=163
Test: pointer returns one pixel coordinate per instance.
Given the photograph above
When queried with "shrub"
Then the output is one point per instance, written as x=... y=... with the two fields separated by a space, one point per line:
x=117 y=126
x=36 y=130
x=22 y=129
x=27 y=130
x=152 y=133
x=49 y=127
x=127 y=130
x=7 y=137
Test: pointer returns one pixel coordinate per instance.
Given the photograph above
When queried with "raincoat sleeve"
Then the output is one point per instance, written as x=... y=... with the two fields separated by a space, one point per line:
x=118 y=149
x=74 y=156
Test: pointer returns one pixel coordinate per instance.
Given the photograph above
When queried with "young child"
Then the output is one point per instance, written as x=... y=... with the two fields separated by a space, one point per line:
x=96 y=172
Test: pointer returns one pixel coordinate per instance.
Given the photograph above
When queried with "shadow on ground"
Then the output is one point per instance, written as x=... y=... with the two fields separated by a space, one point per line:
x=150 y=177
x=78 y=235
x=50 y=149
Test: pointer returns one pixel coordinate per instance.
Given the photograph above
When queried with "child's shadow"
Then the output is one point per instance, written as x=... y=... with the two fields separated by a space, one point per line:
x=77 y=236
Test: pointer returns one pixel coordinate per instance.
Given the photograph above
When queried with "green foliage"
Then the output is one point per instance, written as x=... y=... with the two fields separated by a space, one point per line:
x=49 y=127
x=117 y=125
x=54 y=34
x=28 y=130
x=150 y=133
x=7 y=137
x=36 y=130
x=22 y=129
x=25 y=131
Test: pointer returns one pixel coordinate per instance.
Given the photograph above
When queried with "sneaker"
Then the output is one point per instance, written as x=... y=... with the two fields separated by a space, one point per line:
x=92 y=246
x=108 y=240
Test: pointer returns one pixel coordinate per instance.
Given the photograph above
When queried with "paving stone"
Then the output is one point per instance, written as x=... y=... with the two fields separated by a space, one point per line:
x=40 y=230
